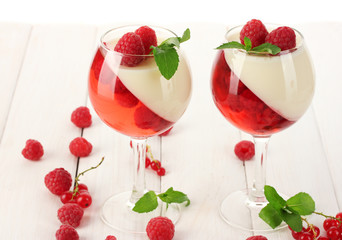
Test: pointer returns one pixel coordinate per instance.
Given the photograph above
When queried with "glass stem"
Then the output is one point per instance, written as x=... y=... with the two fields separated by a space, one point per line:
x=139 y=156
x=257 y=193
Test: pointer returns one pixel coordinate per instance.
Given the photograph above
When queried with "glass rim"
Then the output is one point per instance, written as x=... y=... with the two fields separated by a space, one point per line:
x=154 y=27
x=275 y=26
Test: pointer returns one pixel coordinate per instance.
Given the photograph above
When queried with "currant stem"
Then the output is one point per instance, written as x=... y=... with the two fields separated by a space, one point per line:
x=81 y=174
x=311 y=226
x=149 y=151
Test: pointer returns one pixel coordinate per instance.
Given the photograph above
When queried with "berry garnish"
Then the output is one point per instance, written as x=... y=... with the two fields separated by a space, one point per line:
x=161 y=171
x=33 y=150
x=80 y=192
x=130 y=44
x=67 y=232
x=149 y=201
x=244 y=150
x=293 y=212
x=147 y=162
x=83 y=199
x=81 y=117
x=80 y=147
x=70 y=213
x=155 y=165
x=283 y=37
x=67 y=197
x=110 y=237
x=255 y=30
x=259 y=237
x=148 y=37
x=166 y=56
x=58 y=181
x=160 y=228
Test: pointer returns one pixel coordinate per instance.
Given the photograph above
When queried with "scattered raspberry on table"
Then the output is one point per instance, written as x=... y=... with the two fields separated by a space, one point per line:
x=259 y=237
x=160 y=228
x=80 y=147
x=244 y=150
x=33 y=150
x=110 y=237
x=70 y=213
x=81 y=117
x=67 y=232
x=58 y=181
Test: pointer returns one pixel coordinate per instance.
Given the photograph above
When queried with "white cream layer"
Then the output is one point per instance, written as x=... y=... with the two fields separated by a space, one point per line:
x=166 y=98
x=285 y=83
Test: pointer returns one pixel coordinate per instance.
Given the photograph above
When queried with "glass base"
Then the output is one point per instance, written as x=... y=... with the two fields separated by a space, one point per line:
x=117 y=213
x=240 y=212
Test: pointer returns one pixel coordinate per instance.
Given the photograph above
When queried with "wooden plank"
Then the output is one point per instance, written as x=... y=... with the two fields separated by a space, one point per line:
x=52 y=83
x=13 y=41
x=327 y=100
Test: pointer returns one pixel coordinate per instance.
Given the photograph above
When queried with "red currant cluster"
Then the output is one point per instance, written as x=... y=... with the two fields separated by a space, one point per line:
x=331 y=225
x=152 y=162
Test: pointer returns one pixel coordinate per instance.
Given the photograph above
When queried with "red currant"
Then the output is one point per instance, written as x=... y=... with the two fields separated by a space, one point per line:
x=329 y=222
x=84 y=199
x=323 y=238
x=333 y=233
x=66 y=197
x=306 y=236
x=82 y=186
x=296 y=235
x=147 y=162
x=155 y=165
x=339 y=215
x=161 y=171
x=316 y=231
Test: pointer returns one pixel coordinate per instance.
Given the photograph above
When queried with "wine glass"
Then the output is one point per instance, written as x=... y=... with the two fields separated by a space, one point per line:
x=260 y=94
x=139 y=102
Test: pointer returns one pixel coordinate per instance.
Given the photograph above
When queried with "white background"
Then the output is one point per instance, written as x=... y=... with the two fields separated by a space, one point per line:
x=171 y=11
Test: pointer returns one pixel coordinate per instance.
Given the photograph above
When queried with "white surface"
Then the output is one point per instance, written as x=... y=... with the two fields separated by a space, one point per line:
x=198 y=154
x=175 y=11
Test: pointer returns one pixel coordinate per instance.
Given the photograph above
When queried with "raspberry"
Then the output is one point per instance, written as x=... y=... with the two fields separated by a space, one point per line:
x=124 y=97
x=244 y=150
x=130 y=44
x=148 y=37
x=259 y=237
x=283 y=37
x=144 y=118
x=80 y=147
x=67 y=232
x=81 y=117
x=58 y=181
x=70 y=213
x=160 y=228
x=33 y=150
x=255 y=30
x=110 y=237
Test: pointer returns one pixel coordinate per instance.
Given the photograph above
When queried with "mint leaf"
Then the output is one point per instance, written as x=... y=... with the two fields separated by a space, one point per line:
x=167 y=60
x=171 y=196
x=301 y=203
x=248 y=43
x=266 y=48
x=232 y=44
x=274 y=198
x=186 y=36
x=271 y=216
x=170 y=42
x=292 y=219
x=146 y=203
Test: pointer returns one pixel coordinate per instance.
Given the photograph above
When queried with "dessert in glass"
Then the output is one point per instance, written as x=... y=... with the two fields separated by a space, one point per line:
x=260 y=93
x=130 y=95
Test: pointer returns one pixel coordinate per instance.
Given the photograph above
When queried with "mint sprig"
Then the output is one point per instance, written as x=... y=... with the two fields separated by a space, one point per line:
x=166 y=55
x=289 y=211
x=263 y=48
x=149 y=201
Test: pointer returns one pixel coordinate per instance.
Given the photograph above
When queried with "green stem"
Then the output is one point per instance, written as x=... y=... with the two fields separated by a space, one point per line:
x=81 y=174
x=327 y=216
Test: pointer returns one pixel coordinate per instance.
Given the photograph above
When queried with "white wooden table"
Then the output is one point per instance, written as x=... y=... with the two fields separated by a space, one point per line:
x=44 y=70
